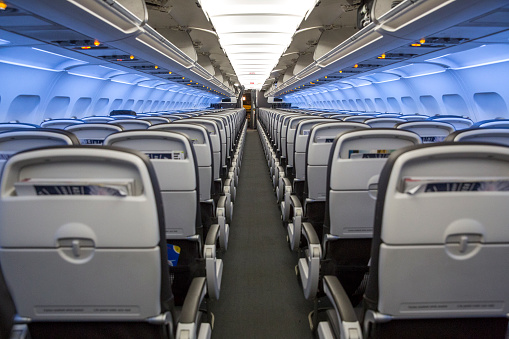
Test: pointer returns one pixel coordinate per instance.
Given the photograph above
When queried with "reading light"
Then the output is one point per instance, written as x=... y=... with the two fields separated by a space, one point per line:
x=131 y=57
x=96 y=42
x=169 y=72
x=382 y=56
x=422 y=41
x=156 y=67
x=3 y=6
x=355 y=66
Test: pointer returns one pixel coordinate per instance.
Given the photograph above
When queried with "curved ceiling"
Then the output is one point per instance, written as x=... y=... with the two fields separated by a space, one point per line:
x=254 y=43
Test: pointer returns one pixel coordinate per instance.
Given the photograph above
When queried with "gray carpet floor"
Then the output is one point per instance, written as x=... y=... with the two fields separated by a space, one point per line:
x=260 y=294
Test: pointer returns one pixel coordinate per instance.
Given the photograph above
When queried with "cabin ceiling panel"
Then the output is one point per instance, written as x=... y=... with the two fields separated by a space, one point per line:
x=242 y=23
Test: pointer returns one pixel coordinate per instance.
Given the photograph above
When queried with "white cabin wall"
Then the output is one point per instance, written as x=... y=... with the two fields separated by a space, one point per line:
x=31 y=95
x=479 y=92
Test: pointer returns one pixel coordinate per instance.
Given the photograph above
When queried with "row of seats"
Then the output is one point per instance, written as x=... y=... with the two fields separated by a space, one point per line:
x=124 y=118
x=402 y=247
x=459 y=122
x=136 y=234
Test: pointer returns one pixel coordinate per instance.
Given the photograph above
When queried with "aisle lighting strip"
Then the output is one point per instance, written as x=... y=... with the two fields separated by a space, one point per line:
x=245 y=26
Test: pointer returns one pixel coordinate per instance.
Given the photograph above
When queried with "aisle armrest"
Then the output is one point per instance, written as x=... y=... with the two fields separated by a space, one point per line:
x=294 y=228
x=213 y=266
x=285 y=203
x=309 y=266
x=347 y=319
x=224 y=228
x=189 y=321
x=280 y=172
x=218 y=186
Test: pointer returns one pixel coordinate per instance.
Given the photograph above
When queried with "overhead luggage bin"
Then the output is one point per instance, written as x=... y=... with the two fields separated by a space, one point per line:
x=105 y=20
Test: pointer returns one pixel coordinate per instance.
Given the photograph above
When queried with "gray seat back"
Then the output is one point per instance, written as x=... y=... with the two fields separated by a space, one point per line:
x=131 y=123
x=84 y=225
x=175 y=164
x=12 y=142
x=284 y=132
x=97 y=119
x=290 y=135
x=93 y=133
x=498 y=123
x=414 y=117
x=491 y=135
x=60 y=123
x=356 y=160
x=9 y=126
x=215 y=139
x=383 y=122
x=429 y=131
x=458 y=123
x=300 y=144
x=441 y=221
x=224 y=135
x=202 y=145
x=321 y=138
x=154 y=120
x=358 y=118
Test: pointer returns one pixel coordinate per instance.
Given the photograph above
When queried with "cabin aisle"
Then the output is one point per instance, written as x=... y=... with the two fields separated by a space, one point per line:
x=260 y=293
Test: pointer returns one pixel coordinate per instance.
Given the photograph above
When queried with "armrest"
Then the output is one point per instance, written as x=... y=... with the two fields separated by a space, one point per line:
x=227 y=192
x=224 y=228
x=229 y=186
x=348 y=323
x=188 y=323
x=213 y=266
x=218 y=186
x=310 y=234
x=289 y=171
x=280 y=183
x=294 y=228
x=294 y=200
x=309 y=266
x=212 y=236
x=282 y=161
x=286 y=192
